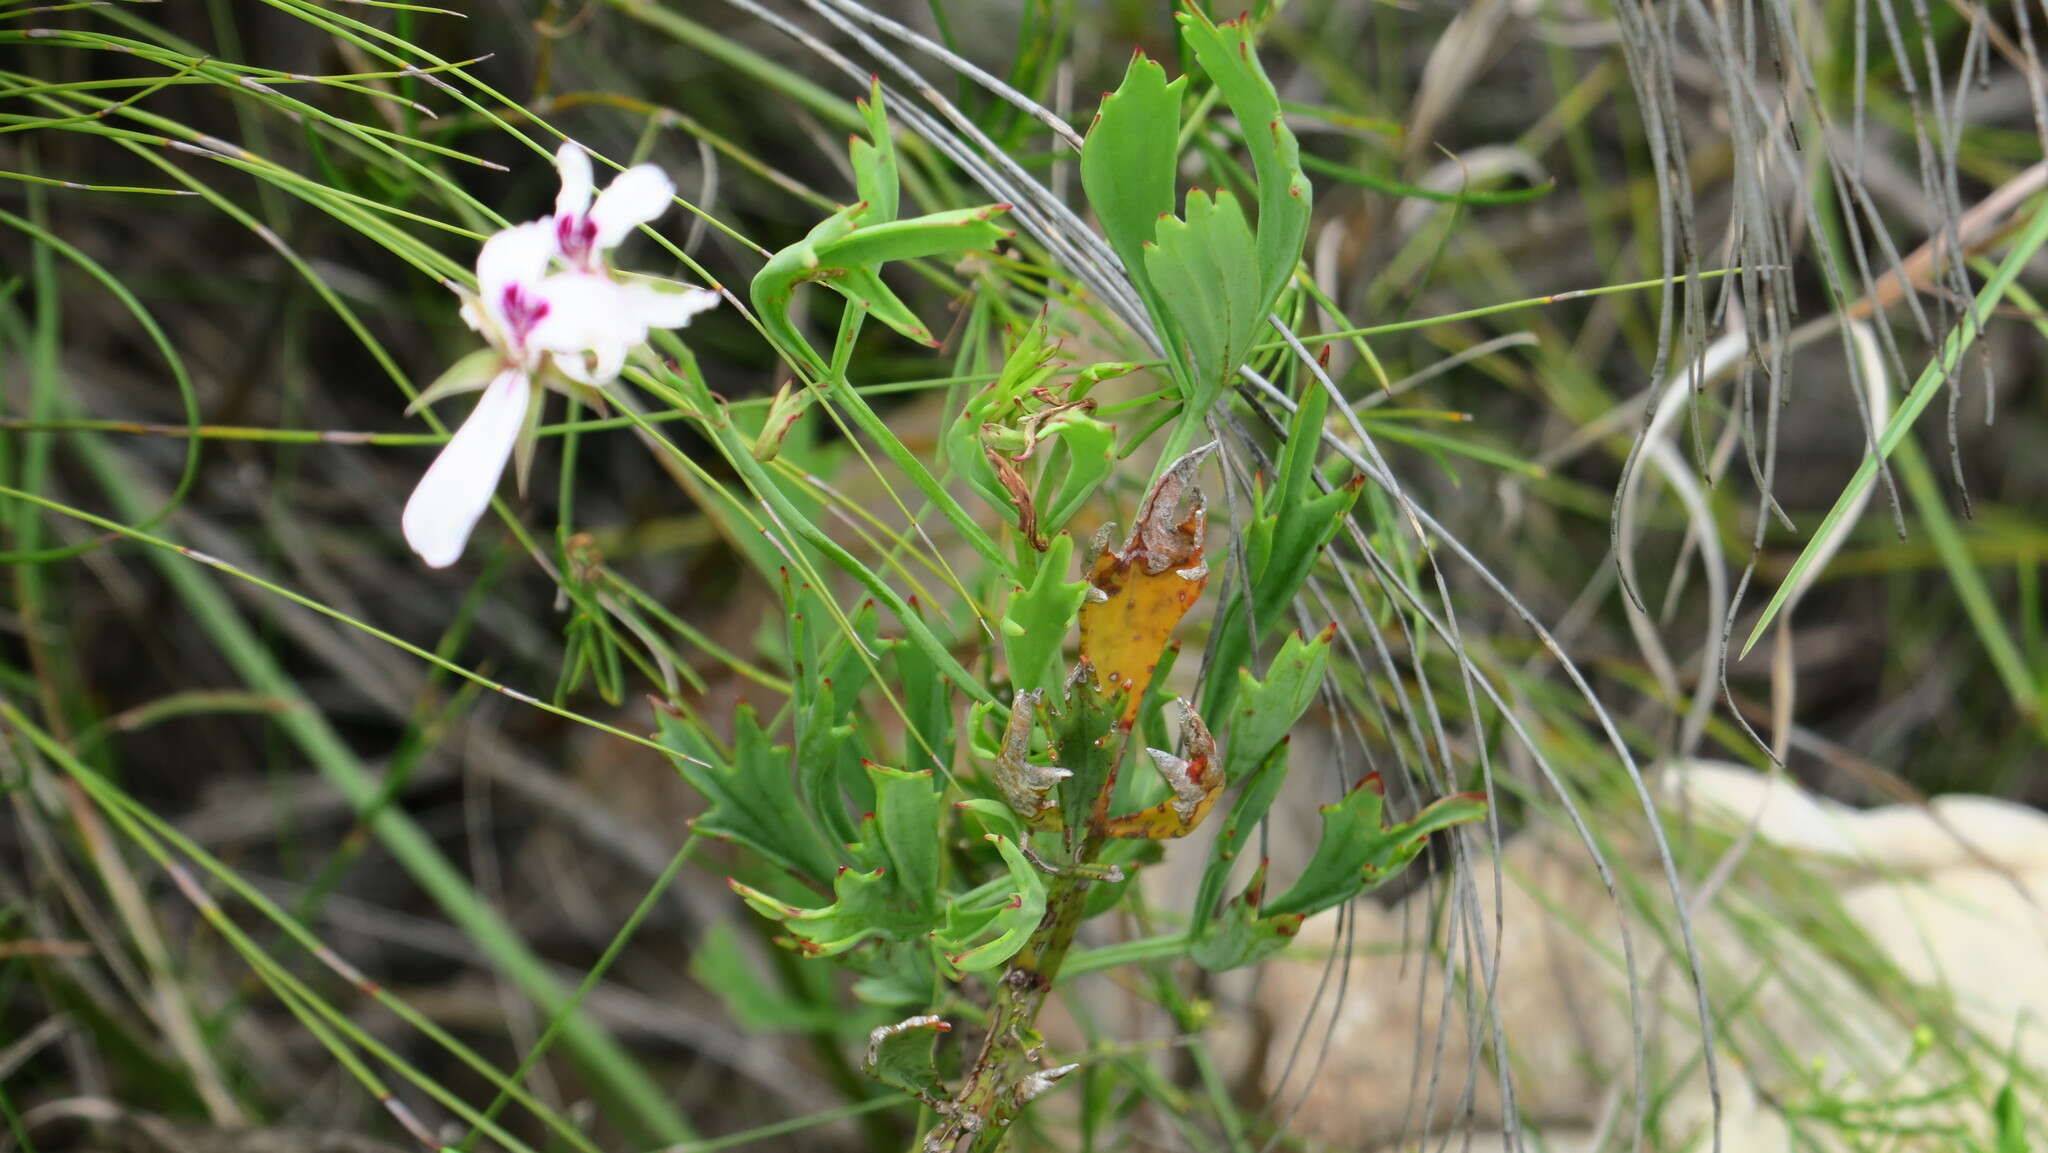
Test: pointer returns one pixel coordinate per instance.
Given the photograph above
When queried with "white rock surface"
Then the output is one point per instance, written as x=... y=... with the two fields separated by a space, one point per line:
x=1836 y=935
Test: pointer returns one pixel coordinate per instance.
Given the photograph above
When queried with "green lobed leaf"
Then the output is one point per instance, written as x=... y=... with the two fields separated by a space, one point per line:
x=1290 y=527
x=908 y=815
x=1240 y=936
x=1358 y=853
x=1127 y=163
x=866 y=290
x=1031 y=362
x=927 y=702
x=829 y=677
x=774 y=286
x=1091 y=457
x=867 y=245
x=867 y=905
x=1088 y=740
x=1267 y=710
x=1204 y=268
x=1255 y=756
x=747 y=796
x=684 y=375
x=1039 y=617
x=994 y=815
x=1008 y=925
x=874 y=159
x=1226 y=53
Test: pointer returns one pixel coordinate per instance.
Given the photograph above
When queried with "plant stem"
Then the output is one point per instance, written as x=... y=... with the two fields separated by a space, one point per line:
x=981 y=1112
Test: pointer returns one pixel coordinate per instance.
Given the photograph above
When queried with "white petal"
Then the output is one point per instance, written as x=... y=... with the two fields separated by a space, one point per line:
x=597 y=367
x=458 y=485
x=517 y=255
x=584 y=311
x=661 y=306
x=607 y=319
x=574 y=165
x=634 y=197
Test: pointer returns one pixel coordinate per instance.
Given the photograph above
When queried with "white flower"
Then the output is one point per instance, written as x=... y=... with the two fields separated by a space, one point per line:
x=585 y=231
x=543 y=328
x=514 y=310
x=512 y=305
x=613 y=316
x=600 y=319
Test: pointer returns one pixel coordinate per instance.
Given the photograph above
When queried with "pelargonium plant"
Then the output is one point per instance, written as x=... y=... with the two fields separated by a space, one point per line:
x=953 y=867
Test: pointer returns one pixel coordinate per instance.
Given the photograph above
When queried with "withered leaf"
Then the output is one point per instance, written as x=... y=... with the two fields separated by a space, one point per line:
x=1196 y=780
x=1027 y=788
x=1139 y=593
x=1013 y=482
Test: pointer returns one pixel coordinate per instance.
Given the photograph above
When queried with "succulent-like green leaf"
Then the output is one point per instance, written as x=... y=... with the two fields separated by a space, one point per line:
x=1127 y=162
x=1240 y=936
x=874 y=159
x=830 y=669
x=1088 y=738
x=1038 y=618
x=1267 y=710
x=1091 y=457
x=1292 y=523
x=1255 y=756
x=1357 y=852
x=1226 y=53
x=994 y=815
x=1205 y=270
x=845 y=251
x=900 y=1056
x=927 y=702
x=867 y=905
x=869 y=245
x=827 y=752
x=908 y=811
x=748 y=795
x=1031 y=363
x=865 y=288
x=1006 y=927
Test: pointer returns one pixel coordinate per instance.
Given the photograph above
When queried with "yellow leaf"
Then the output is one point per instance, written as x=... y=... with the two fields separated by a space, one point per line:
x=1139 y=593
x=1197 y=781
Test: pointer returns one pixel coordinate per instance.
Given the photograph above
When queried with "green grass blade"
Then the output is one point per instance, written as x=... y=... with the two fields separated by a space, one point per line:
x=1923 y=393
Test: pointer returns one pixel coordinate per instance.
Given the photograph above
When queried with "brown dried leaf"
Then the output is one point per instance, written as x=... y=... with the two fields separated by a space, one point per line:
x=1196 y=779
x=1013 y=482
x=1139 y=593
x=1027 y=788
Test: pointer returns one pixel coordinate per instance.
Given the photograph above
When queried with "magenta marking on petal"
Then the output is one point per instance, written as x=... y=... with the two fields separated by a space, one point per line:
x=522 y=312
x=576 y=238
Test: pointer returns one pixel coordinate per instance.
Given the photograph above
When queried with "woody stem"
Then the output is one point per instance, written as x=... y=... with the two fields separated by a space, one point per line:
x=982 y=1110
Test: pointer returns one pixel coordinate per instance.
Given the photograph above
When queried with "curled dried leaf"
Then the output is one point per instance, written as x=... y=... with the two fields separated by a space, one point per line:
x=1196 y=779
x=1027 y=788
x=1168 y=542
x=1037 y=1082
x=1013 y=483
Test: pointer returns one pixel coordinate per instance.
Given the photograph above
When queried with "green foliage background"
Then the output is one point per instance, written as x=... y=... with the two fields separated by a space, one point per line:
x=304 y=835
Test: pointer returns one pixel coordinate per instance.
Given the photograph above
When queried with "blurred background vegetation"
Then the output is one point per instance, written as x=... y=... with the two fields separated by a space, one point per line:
x=237 y=214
